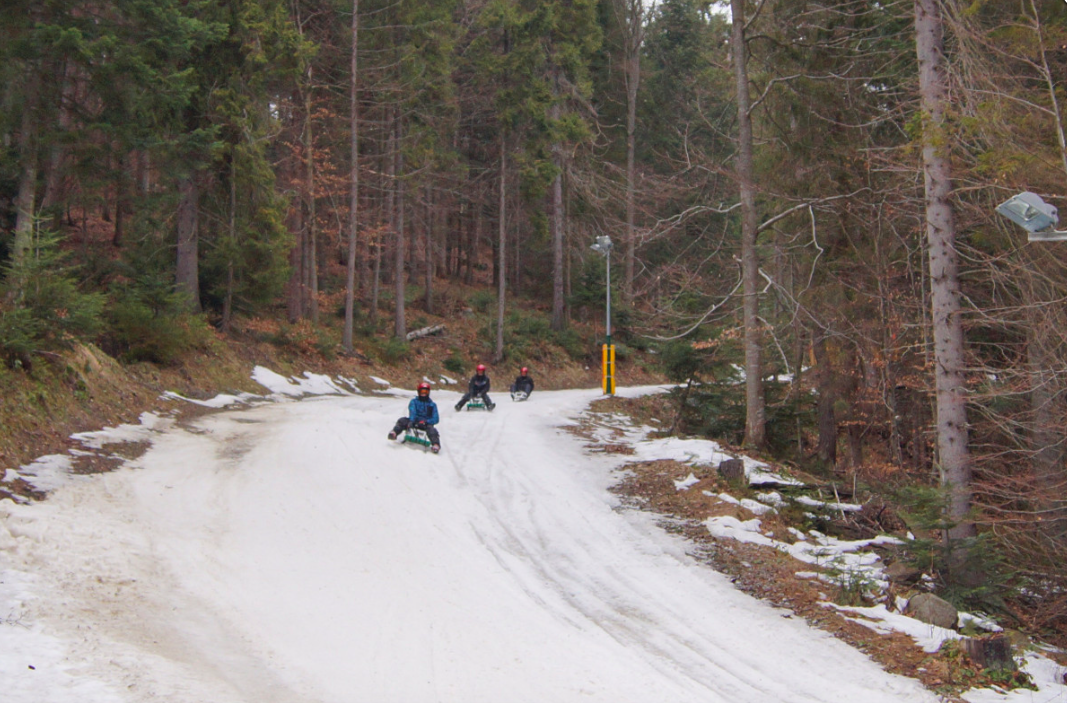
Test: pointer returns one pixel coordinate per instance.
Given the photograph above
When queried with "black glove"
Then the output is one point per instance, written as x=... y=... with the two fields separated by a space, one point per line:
x=420 y=424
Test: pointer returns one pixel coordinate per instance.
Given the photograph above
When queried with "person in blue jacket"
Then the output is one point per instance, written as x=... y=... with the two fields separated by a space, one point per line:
x=422 y=415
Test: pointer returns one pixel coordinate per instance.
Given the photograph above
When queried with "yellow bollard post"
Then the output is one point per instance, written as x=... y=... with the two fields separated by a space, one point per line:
x=604 y=368
x=607 y=381
x=611 y=369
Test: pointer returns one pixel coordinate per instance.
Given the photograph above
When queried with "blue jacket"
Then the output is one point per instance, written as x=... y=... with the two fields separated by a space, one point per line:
x=420 y=409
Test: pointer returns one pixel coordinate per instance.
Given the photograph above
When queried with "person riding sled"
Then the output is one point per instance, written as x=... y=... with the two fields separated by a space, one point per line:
x=478 y=388
x=523 y=384
x=422 y=415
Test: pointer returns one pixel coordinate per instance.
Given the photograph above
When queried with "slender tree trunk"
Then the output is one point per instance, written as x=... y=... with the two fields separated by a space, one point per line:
x=377 y=285
x=295 y=288
x=1053 y=82
x=353 y=183
x=826 y=450
x=755 y=409
x=428 y=239
x=187 y=275
x=388 y=218
x=473 y=222
x=1046 y=403
x=122 y=201
x=311 y=283
x=25 y=201
x=363 y=258
x=952 y=440
x=501 y=251
x=1046 y=439
x=144 y=173
x=634 y=37
x=442 y=209
x=401 y=325
x=55 y=176
x=556 y=193
x=227 y=304
x=516 y=264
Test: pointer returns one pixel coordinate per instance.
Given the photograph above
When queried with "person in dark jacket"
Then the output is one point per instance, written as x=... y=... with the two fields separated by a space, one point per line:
x=422 y=415
x=477 y=388
x=523 y=383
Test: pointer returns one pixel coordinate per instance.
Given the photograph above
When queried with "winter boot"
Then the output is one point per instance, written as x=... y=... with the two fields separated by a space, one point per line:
x=435 y=448
x=459 y=405
x=392 y=435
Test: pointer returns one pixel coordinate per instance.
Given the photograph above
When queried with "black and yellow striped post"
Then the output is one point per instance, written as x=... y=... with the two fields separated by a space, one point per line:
x=608 y=381
x=603 y=246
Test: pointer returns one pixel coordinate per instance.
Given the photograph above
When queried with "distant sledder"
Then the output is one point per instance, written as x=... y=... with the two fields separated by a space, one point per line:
x=477 y=395
x=419 y=425
x=523 y=385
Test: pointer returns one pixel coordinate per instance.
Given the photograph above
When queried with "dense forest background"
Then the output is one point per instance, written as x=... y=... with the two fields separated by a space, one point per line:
x=800 y=195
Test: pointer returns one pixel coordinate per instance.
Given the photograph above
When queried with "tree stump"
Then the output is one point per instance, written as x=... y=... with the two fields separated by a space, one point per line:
x=733 y=470
x=990 y=652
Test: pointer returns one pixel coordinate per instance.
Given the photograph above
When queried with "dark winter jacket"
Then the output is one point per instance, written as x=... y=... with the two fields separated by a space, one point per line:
x=479 y=385
x=423 y=410
x=524 y=384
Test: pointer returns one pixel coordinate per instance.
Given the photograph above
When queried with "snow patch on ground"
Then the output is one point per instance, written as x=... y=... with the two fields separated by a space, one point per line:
x=150 y=425
x=45 y=473
x=219 y=401
x=882 y=620
x=310 y=384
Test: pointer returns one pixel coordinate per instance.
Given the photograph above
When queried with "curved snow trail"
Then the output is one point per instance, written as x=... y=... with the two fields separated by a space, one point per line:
x=289 y=552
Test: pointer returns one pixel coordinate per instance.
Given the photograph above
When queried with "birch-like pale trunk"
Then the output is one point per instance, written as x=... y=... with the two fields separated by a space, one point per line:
x=951 y=394
x=755 y=408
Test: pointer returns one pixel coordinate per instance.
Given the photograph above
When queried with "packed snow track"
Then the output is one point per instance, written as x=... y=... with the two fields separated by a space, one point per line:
x=287 y=552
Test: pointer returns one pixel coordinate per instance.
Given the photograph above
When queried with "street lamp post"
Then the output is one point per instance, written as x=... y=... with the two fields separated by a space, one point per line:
x=603 y=246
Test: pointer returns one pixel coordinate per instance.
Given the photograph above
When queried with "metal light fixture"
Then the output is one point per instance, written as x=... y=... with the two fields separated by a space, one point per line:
x=1033 y=214
x=603 y=245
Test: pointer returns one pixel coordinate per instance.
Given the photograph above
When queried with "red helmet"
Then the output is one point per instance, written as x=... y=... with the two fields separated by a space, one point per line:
x=481 y=368
x=524 y=370
x=423 y=390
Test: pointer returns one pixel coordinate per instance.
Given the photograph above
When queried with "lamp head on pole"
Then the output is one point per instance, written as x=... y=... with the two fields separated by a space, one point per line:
x=603 y=245
x=1034 y=215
